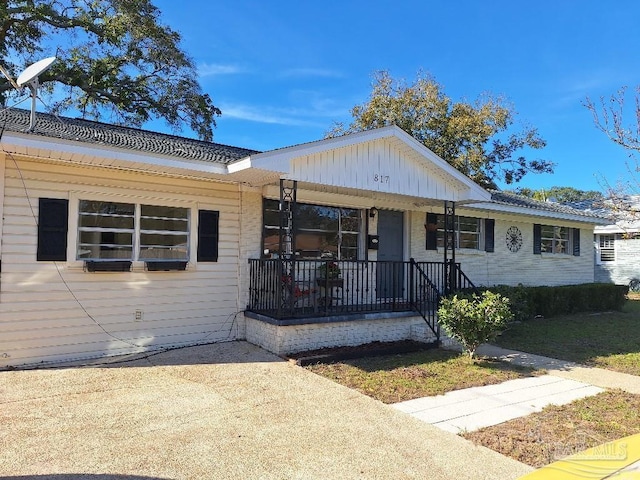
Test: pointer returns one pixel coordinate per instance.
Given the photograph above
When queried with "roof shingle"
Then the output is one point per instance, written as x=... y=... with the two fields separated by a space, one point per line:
x=87 y=131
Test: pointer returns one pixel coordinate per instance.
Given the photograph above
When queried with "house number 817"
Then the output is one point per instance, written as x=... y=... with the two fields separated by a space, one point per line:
x=380 y=178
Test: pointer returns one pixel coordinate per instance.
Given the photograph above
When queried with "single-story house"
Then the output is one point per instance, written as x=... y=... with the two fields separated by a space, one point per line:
x=117 y=240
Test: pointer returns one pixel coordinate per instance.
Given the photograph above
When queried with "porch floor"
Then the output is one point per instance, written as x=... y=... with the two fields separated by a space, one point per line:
x=334 y=316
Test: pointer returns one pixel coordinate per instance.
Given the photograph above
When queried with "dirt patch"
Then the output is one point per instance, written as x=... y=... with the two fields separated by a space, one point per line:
x=373 y=349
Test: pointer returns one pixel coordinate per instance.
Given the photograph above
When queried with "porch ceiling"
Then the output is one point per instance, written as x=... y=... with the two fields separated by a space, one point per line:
x=354 y=198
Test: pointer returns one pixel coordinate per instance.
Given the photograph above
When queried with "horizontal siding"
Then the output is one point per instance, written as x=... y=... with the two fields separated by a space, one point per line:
x=503 y=267
x=56 y=311
x=626 y=266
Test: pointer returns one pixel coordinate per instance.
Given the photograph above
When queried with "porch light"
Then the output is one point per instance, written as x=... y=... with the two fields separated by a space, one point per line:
x=373 y=211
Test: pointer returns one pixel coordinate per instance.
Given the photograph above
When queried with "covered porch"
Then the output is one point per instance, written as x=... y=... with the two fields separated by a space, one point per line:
x=340 y=220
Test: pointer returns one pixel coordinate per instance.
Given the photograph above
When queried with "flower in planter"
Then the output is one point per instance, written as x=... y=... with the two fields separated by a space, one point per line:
x=329 y=270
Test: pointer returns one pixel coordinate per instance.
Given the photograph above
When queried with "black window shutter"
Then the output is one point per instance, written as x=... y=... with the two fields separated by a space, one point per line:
x=489 y=230
x=208 y=235
x=432 y=231
x=576 y=242
x=53 y=223
x=537 y=239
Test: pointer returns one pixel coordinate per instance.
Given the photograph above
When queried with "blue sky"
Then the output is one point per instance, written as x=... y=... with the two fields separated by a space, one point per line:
x=283 y=72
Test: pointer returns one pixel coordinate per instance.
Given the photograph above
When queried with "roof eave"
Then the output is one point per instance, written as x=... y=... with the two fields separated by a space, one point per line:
x=498 y=207
x=79 y=152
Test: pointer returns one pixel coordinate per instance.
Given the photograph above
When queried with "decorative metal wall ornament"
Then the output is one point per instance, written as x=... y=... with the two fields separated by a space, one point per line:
x=514 y=239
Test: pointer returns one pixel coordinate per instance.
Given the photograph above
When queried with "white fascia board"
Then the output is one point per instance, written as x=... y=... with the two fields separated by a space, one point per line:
x=623 y=227
x=512 y=209
x=476 y=192
x=66 y=147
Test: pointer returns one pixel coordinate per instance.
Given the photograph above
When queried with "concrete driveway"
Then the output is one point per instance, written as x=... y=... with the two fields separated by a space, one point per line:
x=219 y=411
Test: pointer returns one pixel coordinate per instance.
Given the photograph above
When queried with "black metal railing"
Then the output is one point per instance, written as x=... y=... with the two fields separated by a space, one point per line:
x=460 y=281
x=315 y=288
x=426 y=295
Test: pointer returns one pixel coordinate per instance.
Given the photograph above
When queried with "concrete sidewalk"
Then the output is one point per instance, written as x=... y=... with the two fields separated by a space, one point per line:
x=478 y=407
x=221 y=411
x=598 y=377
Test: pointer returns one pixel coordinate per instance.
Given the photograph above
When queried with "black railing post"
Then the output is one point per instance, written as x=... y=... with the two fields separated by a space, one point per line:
x=453 y=277
x=412 y=295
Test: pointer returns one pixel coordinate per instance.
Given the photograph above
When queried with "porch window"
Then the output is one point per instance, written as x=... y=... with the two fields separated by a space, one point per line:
x=321 y=231
x=607 y=248
x=114 y=231
x=554 y=239
x=468 y=232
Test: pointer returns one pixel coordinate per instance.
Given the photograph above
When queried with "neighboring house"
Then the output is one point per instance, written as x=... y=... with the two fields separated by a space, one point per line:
x=617 y=252
x=616 y=244
x=118 y=240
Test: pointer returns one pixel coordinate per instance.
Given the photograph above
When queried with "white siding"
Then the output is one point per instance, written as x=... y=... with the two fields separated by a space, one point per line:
x=250 y=245
x=626 y=266
x=51 y=311
x=512 y=268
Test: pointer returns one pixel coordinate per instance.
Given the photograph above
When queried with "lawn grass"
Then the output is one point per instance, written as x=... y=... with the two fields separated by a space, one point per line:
x=396 y=378
x=606 y=340
x=558 y=431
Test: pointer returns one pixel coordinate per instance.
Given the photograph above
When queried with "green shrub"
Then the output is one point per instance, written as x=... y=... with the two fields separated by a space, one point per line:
x=519 y=301
x=474 y=319
x=527 y=302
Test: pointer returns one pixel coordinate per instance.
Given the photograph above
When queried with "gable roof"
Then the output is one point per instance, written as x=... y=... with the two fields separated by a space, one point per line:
x=349 y=161
x=241 y=164
x=107 y=135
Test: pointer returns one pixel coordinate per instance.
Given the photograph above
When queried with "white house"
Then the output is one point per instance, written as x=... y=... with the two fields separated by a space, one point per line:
x=617 y=248
x=118 y=240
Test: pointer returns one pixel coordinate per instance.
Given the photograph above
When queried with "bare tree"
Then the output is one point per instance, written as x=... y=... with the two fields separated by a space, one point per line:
x=621 y=123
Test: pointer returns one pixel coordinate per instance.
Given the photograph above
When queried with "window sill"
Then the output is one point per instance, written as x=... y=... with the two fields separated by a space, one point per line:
x=556 y=256
x=465 y=252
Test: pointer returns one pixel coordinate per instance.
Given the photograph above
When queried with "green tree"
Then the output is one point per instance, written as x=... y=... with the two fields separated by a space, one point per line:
x=560 y=194
x=476 y=138
x=115 y=60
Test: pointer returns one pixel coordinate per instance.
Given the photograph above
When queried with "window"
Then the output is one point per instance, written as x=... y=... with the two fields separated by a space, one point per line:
x=321 y=232
x=164 y=233
x=607 y=248
x=550 y=239
x=467 y=232
x=125 y=231
x=554 y=239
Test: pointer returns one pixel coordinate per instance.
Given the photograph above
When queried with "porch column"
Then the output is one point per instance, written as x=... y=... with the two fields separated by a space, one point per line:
x=288 y=194
x=449 y=247
x=286 y=240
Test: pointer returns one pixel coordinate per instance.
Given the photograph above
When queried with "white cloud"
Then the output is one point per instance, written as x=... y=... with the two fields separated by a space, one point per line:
x=252 y=113
x=215 y=69
x=311 y=72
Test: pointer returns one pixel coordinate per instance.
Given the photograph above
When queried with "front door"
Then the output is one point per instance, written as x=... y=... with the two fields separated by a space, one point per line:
x=389 y=278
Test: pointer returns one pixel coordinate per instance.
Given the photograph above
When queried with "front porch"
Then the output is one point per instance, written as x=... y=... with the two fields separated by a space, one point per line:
x=302 y=292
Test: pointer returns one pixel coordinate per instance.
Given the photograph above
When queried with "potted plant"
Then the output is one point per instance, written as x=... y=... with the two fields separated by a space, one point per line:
x=328 y=277
x=329 y=270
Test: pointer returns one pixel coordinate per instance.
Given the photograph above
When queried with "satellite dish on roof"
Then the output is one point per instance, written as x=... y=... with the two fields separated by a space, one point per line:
x=32 y=71
x=29 y=78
